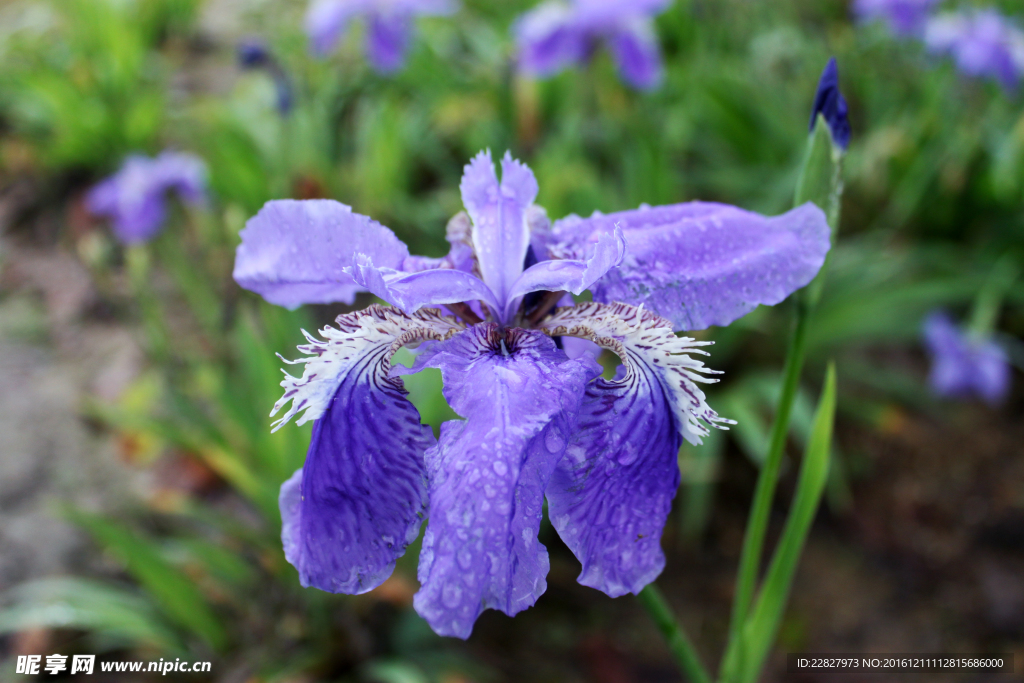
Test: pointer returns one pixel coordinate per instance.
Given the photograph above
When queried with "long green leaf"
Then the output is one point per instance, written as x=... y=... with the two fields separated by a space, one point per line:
x=118 y=613
x=760 y=629
x=175 y=594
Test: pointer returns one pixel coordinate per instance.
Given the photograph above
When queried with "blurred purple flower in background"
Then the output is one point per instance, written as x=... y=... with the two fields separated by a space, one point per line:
x=963 y=366
x=903 y=17
x=388 y=26
x=556 y=35
x=134 y=198
x=982 y=42
x=830 y=103
x=253 y=53
x=537 y=423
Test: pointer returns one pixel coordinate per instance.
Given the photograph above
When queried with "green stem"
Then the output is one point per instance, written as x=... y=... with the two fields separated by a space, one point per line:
x=682 y=649
x=760 y=510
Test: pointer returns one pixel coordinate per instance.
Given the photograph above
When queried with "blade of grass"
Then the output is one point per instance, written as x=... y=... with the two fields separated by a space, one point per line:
x=760 y=629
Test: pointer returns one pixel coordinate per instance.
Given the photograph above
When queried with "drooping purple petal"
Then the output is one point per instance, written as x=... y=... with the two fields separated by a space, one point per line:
x=412 y=291
x=501 y=232
x=134 y=197
x=568 y=275
x=612 y=492
x=700 y=263
x=903 y=17
x=962 y=366
x=983 y=43
x=830 y=103
x=296 y=252
x=359 y=499
x=637 y=54
x=519 y=396
x=388 y=36
x=548 y=40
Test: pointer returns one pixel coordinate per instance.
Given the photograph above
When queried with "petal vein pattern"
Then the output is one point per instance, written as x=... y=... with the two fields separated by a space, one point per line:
x=371 y=336
x=519 y=395
x=612 y=492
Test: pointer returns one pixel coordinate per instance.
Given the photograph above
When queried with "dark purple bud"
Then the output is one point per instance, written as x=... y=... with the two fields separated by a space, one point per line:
x=831 y=104
x=253 y=54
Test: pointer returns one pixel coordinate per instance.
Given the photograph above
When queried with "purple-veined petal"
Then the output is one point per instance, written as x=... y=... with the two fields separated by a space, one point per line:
x=501 y=231
x=519 y=395
x=296 y=252
x=612 y=492
x=359 y=499
x=412 y=291
x=568 y=275
x=700 y=263
x=637 y=53
x=548 y=40
x=388 y=35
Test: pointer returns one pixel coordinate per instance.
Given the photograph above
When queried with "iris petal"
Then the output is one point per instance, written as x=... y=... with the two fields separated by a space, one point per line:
x=637 y=53
x=519 y=395
x=501 y=231
x=700 y=264
x=359 y=499
x=612 y=492
x=296 y=252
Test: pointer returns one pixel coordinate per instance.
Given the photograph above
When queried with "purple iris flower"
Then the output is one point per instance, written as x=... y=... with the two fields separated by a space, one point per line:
x=388 y=26
x=963 y=366
x=555 y=35
x=537 y=423
x=904 y=17
x=830 y=103
x=982 y=42
x=135 y=198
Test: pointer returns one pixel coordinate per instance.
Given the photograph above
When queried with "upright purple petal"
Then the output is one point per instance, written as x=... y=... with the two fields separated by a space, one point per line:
x=636 y=51
x=296 y=252
x=700 y=264
x=612 y=492
x=548 y=40
x=388 y=35
x=359 y=499
x=501 y=231
x=519 y=396
x=606 y=15
x=326 y=21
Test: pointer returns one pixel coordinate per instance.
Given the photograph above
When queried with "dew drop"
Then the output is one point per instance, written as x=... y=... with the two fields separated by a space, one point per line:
x=500 y=468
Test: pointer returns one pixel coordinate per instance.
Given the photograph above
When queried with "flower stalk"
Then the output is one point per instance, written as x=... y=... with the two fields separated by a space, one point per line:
x=682 y=649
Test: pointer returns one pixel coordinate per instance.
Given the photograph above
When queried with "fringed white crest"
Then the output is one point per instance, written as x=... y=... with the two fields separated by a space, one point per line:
x=646 y=343
x=367 y=339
